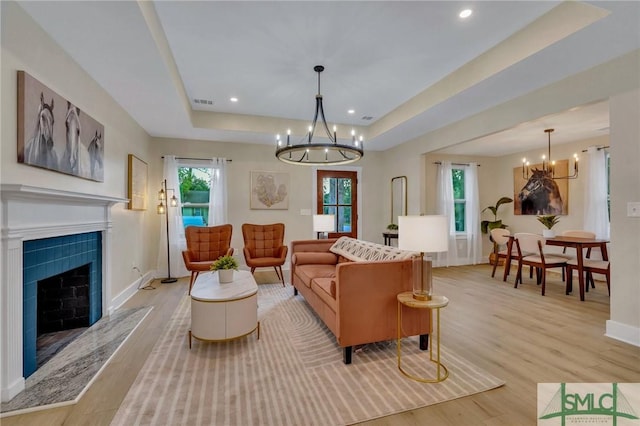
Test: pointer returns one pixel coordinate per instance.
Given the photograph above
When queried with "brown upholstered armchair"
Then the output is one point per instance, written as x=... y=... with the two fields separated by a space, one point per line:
x=264 y=246
x=204 y=246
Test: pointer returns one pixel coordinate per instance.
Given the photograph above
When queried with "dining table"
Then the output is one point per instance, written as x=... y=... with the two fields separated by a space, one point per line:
x=579 y=243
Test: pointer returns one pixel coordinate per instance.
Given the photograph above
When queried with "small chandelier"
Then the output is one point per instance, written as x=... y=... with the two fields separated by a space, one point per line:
x=549 y=166
x=309 y=153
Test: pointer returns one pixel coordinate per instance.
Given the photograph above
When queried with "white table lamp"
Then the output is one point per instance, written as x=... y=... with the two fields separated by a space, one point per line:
x=323 y=224
x=424 y=234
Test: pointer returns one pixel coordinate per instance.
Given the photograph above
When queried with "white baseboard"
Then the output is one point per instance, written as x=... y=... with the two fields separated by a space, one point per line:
x=623 y=332
x=13 y=389
x=131 y=289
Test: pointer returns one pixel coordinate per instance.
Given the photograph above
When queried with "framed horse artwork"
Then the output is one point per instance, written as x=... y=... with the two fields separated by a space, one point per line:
x=540 y=194
x=54 y=134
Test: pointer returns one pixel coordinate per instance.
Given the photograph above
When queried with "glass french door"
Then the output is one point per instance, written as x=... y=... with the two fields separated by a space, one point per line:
x=337 y=194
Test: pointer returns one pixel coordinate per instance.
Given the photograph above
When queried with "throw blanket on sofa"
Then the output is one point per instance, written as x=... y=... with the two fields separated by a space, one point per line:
x=358 y=250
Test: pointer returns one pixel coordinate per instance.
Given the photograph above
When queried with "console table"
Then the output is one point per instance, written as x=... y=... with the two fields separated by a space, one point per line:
x=221 y=312
x=388 y=236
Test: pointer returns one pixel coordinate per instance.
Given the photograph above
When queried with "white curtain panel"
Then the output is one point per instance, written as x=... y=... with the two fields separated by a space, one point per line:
x=472 y=213
x=177 y=242
x=596 y=214
x=445 y=207
x=218 y=192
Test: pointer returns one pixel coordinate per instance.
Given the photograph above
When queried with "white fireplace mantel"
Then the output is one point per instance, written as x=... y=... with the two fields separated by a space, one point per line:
x=28 y=213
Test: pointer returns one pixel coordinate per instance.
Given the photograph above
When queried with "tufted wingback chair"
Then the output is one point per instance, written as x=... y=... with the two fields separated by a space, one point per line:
x=205 y=244
x=264 y=246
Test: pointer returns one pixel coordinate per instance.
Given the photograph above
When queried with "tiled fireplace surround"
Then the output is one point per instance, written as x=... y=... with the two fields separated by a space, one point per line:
x=32 y=213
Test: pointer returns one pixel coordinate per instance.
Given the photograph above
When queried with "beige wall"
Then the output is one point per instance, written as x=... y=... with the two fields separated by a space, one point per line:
x=26 y=47
x=625 y=231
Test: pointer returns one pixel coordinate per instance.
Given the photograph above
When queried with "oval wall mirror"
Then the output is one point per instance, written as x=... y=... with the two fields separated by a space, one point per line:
x=398 y=198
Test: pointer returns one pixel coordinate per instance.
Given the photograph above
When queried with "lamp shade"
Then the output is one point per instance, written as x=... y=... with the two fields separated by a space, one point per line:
x=426 y=234
x=324 y=223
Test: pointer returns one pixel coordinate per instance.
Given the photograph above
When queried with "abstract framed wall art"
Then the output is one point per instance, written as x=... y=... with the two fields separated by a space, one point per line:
x=540 y=194
x=269 y=191
x=54 y=134
x=137 y=183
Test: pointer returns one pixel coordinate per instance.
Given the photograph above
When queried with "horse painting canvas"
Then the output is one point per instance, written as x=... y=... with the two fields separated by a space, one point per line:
x=540 y=194
x=54 y=134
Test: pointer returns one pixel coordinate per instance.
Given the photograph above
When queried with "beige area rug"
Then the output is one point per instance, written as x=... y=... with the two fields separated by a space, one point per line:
x=293 y=375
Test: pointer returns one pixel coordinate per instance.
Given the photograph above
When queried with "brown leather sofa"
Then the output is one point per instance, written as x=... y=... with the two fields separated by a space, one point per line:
x=356 y=298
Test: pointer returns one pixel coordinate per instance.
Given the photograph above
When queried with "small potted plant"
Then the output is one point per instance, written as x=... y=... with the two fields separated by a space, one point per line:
x=225 y=266
x=548 y=220
x=392 y=227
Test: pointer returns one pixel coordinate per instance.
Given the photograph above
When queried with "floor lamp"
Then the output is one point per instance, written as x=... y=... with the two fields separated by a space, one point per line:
x=424 y=234
x=323 y=224
x=162 y=209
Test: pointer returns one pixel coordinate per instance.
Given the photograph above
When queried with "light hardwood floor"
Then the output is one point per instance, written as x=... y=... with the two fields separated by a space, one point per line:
x=516 y=334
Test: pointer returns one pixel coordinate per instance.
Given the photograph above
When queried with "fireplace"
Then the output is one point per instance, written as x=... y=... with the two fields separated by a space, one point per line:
x=51 y=267
x=63 y=301
x=46 y=232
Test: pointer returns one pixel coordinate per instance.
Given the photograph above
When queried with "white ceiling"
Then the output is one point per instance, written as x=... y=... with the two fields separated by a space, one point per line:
x=406 y=64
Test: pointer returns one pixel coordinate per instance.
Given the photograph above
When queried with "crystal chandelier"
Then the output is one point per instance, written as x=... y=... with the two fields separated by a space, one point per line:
x=548 y=165
x=313 y=153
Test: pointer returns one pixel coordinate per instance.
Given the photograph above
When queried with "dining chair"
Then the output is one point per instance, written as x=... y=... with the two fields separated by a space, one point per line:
x=534 y=243
x=515 y=257
x=264 y=247
x=205 y=244
x=589 y=267
x=500 y=238
x=579 y=234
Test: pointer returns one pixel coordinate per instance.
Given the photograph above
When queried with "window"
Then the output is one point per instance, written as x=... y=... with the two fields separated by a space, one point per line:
x=459 y=201
x=194 y=194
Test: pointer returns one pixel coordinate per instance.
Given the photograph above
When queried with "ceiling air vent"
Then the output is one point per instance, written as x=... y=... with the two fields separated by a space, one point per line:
x=203 y=101
x=367 y=117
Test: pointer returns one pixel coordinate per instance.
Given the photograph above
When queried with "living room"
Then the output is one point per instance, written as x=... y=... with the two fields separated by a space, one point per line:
x=135 y=237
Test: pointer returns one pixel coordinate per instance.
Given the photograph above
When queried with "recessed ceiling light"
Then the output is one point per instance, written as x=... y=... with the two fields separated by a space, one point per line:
x=351 y=111
x=233 y=99
x=465 y=13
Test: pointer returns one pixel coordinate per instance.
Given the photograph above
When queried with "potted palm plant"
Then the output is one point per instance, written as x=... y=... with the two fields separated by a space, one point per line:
x=225 y=266
x=548 y=220
x=487 y=225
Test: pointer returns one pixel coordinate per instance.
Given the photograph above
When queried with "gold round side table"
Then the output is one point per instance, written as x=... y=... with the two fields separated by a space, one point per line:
x=436 y=303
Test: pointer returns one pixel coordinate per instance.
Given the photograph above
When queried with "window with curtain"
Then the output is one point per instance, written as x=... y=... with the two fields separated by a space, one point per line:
x=195 y=193
x=203 y=191
x=459 y=201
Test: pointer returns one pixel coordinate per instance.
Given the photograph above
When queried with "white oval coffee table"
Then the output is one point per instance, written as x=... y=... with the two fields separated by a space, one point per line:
x=221 y=312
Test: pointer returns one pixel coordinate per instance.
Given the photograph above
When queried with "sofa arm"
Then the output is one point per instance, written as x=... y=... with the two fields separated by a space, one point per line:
x=366 y=299
x=358 y=283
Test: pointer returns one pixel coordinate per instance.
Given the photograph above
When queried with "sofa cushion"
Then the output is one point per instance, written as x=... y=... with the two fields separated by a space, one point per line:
x=317 y=258
x=309 y=272
x=358 y=250
x=325 y=289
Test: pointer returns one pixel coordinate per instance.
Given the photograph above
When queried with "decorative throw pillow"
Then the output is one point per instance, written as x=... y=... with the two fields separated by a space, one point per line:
x=358 y=250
